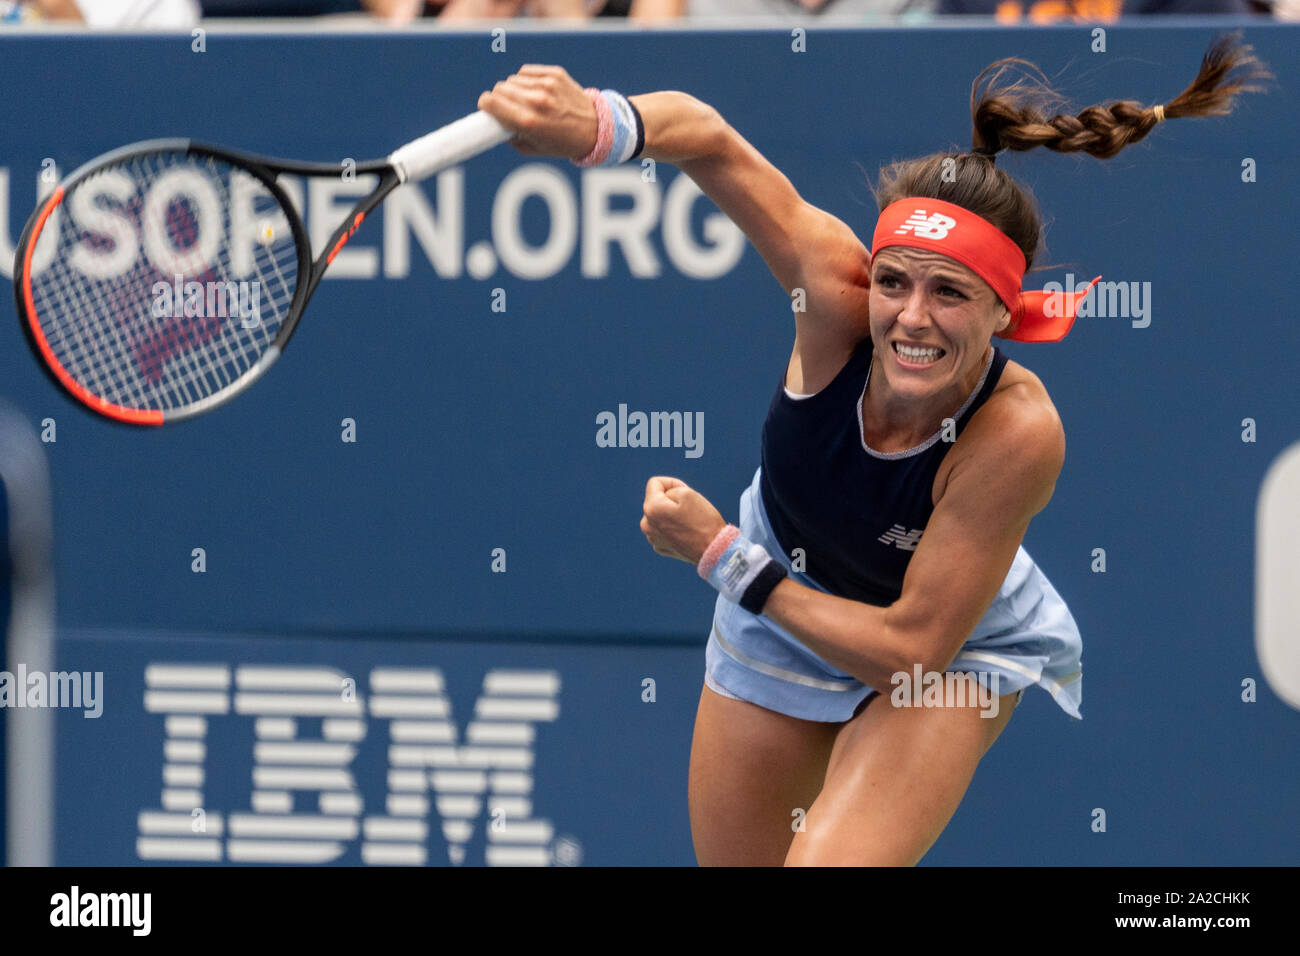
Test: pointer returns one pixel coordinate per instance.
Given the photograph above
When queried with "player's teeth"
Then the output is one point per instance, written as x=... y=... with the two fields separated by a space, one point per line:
x=917 y=354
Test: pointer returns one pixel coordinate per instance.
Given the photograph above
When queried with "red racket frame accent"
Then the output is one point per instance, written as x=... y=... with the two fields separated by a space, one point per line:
x=132 y=415
x=309 y=272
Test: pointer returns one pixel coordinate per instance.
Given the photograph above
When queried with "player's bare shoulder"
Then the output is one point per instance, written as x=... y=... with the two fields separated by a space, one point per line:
x=1018 y=405
x=838 y=278
x=1019 y=384
x=1026 y=391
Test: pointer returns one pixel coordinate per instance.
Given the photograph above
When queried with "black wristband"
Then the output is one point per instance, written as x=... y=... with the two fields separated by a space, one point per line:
x=640 y=130
x=761 y=588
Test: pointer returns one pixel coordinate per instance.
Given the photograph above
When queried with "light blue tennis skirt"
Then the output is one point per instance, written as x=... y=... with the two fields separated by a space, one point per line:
x=1027 y=636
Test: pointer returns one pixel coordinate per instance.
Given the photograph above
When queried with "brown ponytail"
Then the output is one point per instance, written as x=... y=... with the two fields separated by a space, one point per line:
x=1018 y=116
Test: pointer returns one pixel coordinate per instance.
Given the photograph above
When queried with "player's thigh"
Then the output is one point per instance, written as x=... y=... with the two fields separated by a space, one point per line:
x=751 y=769
x=895 y=778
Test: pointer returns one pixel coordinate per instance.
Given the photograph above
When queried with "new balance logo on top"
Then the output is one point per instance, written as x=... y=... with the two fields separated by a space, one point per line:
x=900 y=536
x=933 y=226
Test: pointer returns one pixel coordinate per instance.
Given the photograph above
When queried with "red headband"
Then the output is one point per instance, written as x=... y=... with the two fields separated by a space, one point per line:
x=987 y=251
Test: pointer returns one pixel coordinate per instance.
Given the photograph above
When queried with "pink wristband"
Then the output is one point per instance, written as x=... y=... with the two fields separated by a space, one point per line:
x=604 y=130
x=721 y=541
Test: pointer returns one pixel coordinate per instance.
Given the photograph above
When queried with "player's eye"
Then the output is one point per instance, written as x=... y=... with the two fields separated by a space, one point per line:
x=888 y=280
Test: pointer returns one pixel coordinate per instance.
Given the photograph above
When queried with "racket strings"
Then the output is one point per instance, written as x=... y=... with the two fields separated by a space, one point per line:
x=160 y=281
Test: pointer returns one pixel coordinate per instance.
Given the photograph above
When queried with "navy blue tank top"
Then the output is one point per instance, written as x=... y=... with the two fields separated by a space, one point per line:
x=858 y=514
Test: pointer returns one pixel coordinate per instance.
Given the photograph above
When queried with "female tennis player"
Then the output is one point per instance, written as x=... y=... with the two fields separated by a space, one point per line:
x=903 y=456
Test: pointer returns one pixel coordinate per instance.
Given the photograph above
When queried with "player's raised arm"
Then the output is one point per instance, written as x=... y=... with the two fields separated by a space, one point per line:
x=805 y=247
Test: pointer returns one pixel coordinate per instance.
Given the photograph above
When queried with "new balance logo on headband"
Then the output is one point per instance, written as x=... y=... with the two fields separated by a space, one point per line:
x=933 y=226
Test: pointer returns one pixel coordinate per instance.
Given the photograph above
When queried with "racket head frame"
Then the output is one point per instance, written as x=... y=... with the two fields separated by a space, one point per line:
x=309 y=271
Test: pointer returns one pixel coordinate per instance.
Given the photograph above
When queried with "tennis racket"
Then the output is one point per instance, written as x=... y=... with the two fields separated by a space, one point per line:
x=160 y=280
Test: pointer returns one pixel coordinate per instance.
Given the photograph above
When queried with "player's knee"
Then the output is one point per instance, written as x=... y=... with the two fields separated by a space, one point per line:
x=831 y=849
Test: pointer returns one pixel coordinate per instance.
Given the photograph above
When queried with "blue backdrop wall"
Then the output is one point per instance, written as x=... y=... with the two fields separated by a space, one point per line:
x=476 y=430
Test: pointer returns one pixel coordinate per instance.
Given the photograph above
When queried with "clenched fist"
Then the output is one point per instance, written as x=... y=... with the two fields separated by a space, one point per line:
x=547 y=111
x=678 y=521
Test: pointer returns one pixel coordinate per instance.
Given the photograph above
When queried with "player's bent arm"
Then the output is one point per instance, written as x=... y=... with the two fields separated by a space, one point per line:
x=804 y=247
x=960 y=564
x=851 y=635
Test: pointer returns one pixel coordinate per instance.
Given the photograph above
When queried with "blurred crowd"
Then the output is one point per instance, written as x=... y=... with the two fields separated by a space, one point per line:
x=174 y=14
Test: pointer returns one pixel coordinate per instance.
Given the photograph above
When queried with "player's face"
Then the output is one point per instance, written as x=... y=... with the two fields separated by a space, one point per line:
x=940 y=312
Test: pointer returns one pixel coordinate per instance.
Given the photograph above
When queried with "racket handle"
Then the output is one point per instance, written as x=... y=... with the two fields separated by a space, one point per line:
x=452 y=144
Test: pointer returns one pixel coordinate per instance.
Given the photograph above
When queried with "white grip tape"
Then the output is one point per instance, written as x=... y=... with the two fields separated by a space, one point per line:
x=452 y=144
